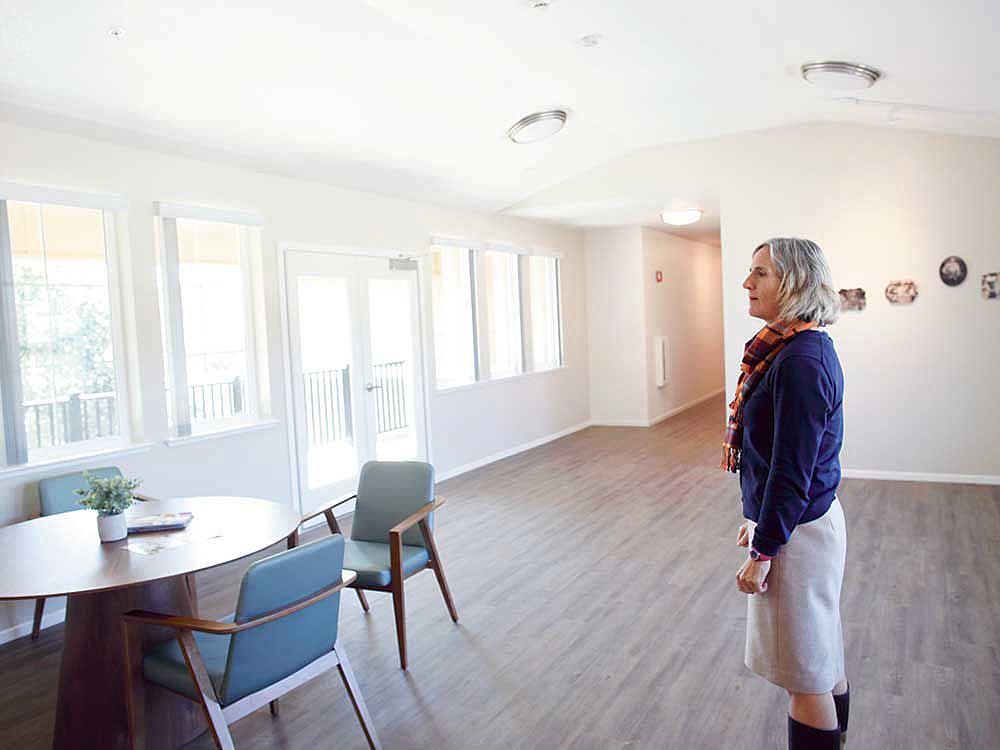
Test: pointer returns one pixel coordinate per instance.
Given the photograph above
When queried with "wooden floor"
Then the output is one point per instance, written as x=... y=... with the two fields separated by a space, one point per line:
x=594 y=579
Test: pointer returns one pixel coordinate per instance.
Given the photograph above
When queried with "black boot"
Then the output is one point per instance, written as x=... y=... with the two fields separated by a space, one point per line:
x=804 y=737
x=843 y=704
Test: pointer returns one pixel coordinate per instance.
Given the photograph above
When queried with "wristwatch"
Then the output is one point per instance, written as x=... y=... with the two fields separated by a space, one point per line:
x=759 y=556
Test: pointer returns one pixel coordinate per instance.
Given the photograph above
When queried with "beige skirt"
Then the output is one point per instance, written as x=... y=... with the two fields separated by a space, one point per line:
x=794 y=635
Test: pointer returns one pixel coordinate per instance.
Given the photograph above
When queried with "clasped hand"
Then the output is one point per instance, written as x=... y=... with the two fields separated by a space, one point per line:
x=751 y=578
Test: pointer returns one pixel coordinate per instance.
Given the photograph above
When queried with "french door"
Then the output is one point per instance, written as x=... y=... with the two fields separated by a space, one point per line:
x=356 y=367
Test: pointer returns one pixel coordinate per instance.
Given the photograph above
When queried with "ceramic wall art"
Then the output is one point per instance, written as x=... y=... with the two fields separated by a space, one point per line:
x=953 y=270
x=991 y=285
x=852 y=299
x=901 y=292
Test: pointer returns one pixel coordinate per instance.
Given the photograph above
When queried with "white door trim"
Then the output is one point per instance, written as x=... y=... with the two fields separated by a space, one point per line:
x=284 y=248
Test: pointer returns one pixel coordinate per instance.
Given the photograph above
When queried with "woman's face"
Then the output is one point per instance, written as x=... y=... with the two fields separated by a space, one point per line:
x=762 y=284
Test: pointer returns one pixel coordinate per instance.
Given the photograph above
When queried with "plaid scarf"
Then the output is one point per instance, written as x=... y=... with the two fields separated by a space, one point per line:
x=758 y=355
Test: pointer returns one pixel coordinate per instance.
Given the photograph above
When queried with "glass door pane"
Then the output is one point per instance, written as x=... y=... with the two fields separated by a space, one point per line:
x=356 y=369
x=326 y=360
x=391 y=387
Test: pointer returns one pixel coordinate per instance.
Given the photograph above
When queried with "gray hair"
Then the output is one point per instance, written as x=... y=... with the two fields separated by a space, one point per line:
x=806 y=285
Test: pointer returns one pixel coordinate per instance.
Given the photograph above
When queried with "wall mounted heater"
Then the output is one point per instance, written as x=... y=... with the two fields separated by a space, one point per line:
x=661 y=356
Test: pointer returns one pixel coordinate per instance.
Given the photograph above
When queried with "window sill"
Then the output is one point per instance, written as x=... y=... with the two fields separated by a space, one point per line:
x=504 y=379
x=221 y=432
x=41 y=467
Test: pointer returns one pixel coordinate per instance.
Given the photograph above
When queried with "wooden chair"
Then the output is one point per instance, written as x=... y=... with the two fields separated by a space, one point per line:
x=384 y=548
x=58 y=495
x=283 y=634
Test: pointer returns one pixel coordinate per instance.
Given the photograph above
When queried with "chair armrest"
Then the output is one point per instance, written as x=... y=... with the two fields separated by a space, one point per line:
x=227 y=628
x=176 y=622
x=416 y=518
x=325 y=508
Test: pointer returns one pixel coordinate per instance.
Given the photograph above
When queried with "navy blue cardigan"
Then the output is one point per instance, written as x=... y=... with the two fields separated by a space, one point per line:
x=793 y=427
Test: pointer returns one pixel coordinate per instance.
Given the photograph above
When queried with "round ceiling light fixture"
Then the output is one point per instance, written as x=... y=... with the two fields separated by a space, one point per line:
x=537 y=126
x=840 y=76
x=681 y=217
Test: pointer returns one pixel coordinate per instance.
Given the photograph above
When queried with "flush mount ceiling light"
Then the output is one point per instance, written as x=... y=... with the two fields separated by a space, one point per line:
x=682 y=217
x=537 y=126
x=840 y=76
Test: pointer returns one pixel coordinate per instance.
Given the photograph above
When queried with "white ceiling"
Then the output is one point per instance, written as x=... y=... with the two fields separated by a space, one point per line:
x=413 y=98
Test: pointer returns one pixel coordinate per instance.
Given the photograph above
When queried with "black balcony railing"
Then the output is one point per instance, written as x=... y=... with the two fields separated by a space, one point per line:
x=210 y=401
x=390 y=396
x=327 y=401
x=328 y=405
x=80 y=416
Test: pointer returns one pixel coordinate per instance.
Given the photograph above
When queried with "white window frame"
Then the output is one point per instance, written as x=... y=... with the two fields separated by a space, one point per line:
x=477 y=252
x=528 y=333
x=182 y=427
x=18 y=456
x=474 y=297
x=519 y=303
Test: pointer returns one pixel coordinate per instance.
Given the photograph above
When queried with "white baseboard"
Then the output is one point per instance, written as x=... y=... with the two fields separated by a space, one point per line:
x=479 y=463
x=684 y=407
x=916 y=476
x=601 y=422
x=22 y=629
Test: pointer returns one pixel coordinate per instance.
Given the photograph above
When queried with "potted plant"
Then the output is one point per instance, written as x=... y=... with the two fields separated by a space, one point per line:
x=109 y=497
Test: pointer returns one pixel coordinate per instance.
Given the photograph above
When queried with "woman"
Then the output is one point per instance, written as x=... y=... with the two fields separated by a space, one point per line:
x=784 y=436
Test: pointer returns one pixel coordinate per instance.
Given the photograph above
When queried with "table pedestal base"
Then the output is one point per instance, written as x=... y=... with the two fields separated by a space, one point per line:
x=92 y=704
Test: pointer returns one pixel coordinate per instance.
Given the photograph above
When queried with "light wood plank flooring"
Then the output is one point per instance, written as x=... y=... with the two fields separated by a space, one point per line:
x=594 y=579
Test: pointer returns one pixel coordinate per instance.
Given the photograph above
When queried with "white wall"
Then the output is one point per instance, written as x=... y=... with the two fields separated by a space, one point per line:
x=627 y=308
x=686 y=308
x=616 y=326
x=884 y=203
x=467 y=426
x=921 y=380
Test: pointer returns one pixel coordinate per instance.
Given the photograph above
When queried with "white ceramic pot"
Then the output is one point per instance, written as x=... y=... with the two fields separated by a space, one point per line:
x=112 y=528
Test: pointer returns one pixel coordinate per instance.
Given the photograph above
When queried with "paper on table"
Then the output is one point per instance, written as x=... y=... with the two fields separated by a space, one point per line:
x=151 y=544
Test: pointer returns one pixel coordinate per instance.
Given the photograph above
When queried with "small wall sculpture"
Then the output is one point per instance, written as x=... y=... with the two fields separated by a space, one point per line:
x=991 y=285
x=953 y=270
x=853 y=300
x=902 y=292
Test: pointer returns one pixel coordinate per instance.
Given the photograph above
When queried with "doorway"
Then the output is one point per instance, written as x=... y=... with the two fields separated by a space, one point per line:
x=356 y=368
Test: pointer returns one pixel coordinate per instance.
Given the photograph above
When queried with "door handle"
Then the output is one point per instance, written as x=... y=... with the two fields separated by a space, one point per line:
x=369 y=387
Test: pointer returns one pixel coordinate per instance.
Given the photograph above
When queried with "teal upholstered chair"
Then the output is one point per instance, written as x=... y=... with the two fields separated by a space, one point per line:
x=58 y=495
x=284 y=632
x=392 y=534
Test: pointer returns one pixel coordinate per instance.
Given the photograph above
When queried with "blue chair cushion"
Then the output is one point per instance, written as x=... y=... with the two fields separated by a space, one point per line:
x=370 y=560
x=165 y=666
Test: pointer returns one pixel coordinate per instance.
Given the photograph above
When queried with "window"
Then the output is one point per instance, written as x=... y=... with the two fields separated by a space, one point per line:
x=454 y=310
x=543 y=305
x=209 y=322
x=61 y=378
x=501 y=276
x=512 y=297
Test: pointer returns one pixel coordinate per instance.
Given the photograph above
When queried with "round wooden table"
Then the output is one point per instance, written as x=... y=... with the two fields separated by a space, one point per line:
x=62 y=555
